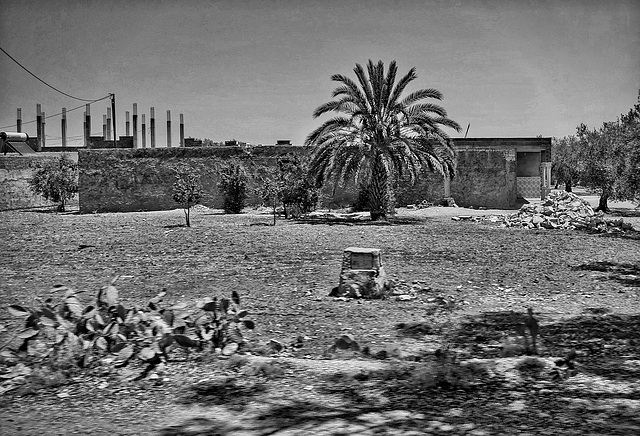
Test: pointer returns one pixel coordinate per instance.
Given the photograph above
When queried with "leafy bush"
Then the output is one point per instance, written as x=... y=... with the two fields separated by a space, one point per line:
x=361 y=203
x=297 y=192
x=66 y=331
x=290 y=186
x=269 y=191
x=187 y=191
x=233 y=185
x=56 y=180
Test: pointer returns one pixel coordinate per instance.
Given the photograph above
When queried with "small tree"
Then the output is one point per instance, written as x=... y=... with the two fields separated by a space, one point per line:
x=186 y=191
x=290 y=186
x=296 y=188
x=56 y=180
x=269 y=191
x=233 y=185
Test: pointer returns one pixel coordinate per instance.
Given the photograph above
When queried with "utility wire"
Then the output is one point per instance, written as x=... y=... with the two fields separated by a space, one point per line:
x=50 y=86
x=59 y=113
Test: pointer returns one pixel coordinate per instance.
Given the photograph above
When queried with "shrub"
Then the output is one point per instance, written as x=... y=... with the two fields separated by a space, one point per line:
x=187 y=191
x=296 y=189
x=63 y=333
x=269 y=192
x=56 y=180
x=289 y=186
x=361 y=203
x=233 y=185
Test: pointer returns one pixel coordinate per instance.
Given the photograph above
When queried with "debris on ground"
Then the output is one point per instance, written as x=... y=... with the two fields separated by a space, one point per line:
x=422 y=205
x=445 y=202
x=401 y=290
x=559 y=210
x=336 y=216
x=200 y=208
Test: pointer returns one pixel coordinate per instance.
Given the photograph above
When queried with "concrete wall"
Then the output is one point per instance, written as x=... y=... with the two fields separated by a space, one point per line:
x=15 y=172
x=142 y=179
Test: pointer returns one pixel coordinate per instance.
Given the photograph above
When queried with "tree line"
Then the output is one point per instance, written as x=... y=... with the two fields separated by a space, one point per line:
x=605 y=159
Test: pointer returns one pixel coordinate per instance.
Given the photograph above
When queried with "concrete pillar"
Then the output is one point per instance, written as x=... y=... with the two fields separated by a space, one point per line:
x=104 y=127
x=126 y=123
x=108 y=124
x=38 y=127
x=19 y=121
x=144 y=133
x=64 y=126
x=152 y=122
x=181 y=130
x=44 y=135
x=545 y=179
x=87 y=125
x=135 y=125
x=168 y=129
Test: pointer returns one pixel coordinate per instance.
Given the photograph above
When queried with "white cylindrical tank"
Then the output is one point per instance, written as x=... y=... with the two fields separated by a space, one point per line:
x=14 y=136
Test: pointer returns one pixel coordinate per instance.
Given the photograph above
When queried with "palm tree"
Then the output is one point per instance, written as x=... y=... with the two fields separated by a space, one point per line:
x=380 y=135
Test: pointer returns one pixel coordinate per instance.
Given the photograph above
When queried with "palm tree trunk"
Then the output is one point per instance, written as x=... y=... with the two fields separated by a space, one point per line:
x=379 y=190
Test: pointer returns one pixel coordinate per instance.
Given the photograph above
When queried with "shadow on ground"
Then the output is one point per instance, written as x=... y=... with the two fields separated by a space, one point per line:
x=232 y=392
x=391 y=221
x=443 y=395
x=627 y=274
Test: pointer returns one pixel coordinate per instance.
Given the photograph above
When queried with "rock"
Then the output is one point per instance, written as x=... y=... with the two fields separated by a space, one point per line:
x=275 y=345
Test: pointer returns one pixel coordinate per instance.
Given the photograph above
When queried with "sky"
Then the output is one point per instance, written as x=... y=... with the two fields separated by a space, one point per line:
x=256 y=70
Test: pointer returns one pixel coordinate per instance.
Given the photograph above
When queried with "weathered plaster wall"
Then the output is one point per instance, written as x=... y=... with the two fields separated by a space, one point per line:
x=15 y=172
x=486 y=177
x=142 y=179
x=429 y=186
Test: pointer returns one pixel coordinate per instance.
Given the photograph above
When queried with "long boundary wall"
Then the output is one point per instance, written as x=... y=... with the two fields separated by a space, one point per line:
x=141 y=179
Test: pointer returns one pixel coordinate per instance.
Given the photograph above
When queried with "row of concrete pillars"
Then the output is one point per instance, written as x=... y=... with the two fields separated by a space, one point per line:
x=106 y=127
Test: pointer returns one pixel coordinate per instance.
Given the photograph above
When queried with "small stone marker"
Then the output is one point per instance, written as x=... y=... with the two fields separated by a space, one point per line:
x=362 y=275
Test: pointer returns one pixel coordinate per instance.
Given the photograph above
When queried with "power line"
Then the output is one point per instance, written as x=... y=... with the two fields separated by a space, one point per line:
x=50 y=86
x=59 y=113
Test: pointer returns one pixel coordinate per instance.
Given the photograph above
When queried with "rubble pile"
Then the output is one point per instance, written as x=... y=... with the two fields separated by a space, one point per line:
x=559 y=210
x=563 y=210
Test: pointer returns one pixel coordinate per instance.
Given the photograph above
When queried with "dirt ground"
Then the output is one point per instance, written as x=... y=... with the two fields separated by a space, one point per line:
x=468 y=277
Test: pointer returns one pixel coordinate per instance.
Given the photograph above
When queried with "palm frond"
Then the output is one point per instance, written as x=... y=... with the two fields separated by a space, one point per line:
x=365 y=85
x=426 y=107
x=421 y=94
x=401 y=85
x=390 y=80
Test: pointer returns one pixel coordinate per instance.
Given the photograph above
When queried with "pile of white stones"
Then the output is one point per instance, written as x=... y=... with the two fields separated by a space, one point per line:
x=559 y=210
